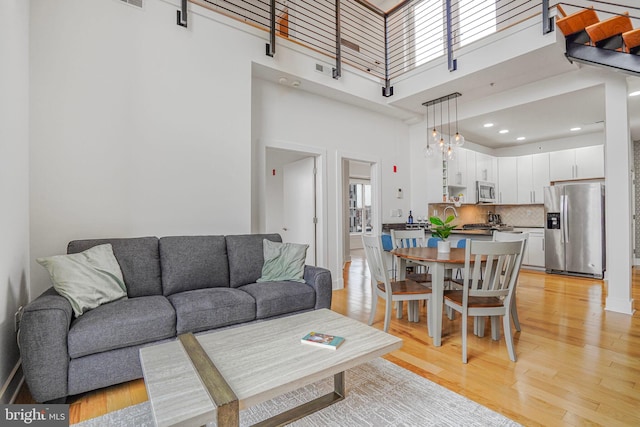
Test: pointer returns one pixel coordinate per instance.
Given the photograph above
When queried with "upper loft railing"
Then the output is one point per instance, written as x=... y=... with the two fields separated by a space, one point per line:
x=348 y=31
x=423 y=30
x=385 y=44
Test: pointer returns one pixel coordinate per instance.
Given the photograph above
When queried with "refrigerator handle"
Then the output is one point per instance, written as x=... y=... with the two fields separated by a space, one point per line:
x=565 y=218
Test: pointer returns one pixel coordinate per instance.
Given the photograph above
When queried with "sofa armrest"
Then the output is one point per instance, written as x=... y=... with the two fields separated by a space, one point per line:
x=43 y=345
x=320 y=279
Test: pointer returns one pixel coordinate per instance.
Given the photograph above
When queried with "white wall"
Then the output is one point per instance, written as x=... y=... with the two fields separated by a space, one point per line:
x=298 y=117
x=14 y=180
x=139 y=126
x=426 y=172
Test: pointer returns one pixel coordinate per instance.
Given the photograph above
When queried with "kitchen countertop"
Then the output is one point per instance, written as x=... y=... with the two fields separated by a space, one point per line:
x=472 y=232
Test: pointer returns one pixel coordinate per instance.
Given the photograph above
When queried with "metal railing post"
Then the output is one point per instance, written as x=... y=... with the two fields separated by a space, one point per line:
x=387 y=90
x=271 y=46
x=547 y=21
x=453 y=63
x=182 y=14
x=337 y=71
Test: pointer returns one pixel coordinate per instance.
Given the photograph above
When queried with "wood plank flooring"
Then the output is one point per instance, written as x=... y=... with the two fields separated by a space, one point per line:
x=577 y=364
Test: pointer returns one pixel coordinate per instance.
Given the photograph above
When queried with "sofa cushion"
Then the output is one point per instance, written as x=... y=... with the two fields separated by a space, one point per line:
x=210 y=308
x=193 y=262
x=121 y=324
x=276 y=298
x=246 y=257
x=86 y=279
x=138 y=258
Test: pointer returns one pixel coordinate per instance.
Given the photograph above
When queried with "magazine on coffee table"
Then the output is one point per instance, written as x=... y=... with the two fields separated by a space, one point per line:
x=323 y=340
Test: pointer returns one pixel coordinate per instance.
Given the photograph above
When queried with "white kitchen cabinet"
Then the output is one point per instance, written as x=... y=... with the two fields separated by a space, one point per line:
x=486 y=168
x=457 y=169
x=461 y=175
x=532 y=177
x=534 y=253
x=577 y=163
x=471 y=196
x=590 y=162
x=524 y=166
x=507 y=180
x=536 y=248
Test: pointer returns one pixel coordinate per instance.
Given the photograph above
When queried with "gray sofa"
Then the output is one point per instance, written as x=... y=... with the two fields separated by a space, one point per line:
x=174 y=285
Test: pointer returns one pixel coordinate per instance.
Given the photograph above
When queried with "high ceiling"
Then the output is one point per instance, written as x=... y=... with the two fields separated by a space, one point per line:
x=540 y=120
x=548 y=119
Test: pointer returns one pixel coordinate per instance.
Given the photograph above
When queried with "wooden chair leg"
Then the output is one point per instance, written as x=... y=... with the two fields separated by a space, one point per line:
x=478 y=326
x=495 y=328
x=374 y=305
x=464 y=337
x=387 y=315
x=451 y=314
x=514 y=313
x=429 y=318
x=508 y=337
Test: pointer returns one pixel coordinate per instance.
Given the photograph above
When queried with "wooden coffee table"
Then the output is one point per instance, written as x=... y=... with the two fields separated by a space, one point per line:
x=194 y=380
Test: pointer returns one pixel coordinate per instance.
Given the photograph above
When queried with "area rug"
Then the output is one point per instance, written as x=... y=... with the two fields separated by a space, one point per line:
x=378 y=393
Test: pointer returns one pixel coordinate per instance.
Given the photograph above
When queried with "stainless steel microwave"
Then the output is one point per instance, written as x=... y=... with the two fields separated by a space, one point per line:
x=486 y=192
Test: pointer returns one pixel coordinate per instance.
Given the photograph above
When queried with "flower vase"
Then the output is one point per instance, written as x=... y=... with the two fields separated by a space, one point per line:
x=444 y=246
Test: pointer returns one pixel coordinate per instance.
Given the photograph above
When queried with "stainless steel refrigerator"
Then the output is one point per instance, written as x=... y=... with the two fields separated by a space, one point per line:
x=574 y=235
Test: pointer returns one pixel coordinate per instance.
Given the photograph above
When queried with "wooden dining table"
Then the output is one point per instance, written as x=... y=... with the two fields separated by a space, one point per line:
x=439 y=263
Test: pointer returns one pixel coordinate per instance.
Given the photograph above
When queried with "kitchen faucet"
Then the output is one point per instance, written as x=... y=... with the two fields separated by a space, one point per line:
x=455 y=212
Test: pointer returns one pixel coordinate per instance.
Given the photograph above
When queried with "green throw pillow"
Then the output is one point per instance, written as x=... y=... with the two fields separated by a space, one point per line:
x=283 y=261
x=87 y=279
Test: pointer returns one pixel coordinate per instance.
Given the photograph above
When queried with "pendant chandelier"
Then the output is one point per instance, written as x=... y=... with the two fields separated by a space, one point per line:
x=437 y=137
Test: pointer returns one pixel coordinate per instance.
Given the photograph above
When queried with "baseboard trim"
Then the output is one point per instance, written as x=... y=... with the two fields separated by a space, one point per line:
x=636 y=261
x=619 y=305
x=12 y=385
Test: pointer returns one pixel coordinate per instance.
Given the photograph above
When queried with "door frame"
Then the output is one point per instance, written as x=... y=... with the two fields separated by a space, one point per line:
x=342 y=212
x=320 y=155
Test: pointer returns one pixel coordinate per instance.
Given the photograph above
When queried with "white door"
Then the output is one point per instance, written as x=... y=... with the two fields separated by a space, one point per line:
x=299 y=204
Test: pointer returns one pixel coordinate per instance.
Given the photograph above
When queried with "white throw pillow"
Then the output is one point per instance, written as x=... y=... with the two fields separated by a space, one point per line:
x=87 y=279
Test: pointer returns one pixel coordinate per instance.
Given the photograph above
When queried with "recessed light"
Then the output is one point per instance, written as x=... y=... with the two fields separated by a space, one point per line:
x=521 y=138
x=575 y=129
x=636 y=93
x=503 y=131
x=488 y=125
x=282 y=80
x=295 y=83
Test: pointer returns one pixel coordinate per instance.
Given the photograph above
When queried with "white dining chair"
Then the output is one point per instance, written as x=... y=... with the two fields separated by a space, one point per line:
x=490 y=295
x=391 y=291
x=419 y=273
x=412 y=239
x=505 y=236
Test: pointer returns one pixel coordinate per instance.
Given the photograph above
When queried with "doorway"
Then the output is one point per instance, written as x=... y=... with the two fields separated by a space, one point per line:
x=359 y=205
x=292 y=205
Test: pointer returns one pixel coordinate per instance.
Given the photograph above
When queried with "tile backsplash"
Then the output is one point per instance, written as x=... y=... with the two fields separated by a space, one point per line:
x=514 y=215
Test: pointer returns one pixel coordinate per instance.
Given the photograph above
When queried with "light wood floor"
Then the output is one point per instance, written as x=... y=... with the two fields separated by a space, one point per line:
x=577 y=364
